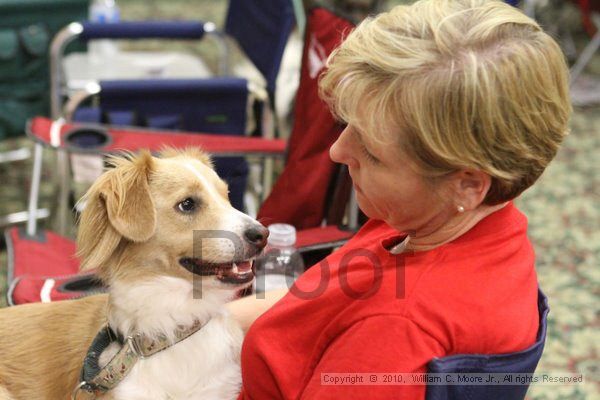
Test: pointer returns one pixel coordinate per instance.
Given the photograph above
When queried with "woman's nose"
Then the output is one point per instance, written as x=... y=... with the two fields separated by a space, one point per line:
x=340 y=151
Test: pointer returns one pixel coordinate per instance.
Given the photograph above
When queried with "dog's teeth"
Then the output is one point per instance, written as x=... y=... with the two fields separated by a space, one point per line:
x=235 y=268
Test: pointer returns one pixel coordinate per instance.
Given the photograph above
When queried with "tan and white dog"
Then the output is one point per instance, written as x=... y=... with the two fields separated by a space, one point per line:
x=137 y=232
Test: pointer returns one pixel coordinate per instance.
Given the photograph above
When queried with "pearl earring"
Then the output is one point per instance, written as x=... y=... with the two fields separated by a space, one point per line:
x=460 y=209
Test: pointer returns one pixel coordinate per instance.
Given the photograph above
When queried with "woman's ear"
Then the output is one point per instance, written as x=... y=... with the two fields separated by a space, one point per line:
x=470 y=186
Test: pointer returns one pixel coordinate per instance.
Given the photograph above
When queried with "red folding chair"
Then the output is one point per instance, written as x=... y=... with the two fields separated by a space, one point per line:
x=311 y=193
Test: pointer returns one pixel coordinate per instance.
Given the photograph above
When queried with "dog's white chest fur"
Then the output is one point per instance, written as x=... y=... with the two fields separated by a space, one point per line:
x=202 y=366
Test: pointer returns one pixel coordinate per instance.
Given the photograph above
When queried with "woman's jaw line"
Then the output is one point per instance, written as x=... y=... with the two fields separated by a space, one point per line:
x=458 y=224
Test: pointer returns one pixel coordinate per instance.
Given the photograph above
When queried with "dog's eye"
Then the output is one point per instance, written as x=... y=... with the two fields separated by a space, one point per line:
x=187 y=206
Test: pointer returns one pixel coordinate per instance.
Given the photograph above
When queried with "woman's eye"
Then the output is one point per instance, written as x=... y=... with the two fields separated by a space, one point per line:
x=187 y=206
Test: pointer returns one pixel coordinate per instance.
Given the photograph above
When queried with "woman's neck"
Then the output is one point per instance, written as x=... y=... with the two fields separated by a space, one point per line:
x=455 y=227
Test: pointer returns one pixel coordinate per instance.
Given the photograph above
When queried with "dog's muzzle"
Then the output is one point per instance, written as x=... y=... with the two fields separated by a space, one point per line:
x=237 y=273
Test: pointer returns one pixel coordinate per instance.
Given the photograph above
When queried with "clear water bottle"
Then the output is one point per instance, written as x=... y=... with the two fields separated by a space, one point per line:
x=106 y=12
x=281 y=263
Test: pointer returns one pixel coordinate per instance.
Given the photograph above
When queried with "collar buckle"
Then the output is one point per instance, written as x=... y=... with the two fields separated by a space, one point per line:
x=85 y=388
x=133 y=342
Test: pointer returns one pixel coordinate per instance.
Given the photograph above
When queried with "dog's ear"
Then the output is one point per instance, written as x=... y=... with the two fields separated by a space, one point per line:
x=127 y=197
x=117 y=206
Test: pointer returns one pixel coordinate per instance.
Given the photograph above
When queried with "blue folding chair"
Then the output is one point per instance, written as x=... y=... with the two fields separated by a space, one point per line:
x=522 y=362
x=260 y=28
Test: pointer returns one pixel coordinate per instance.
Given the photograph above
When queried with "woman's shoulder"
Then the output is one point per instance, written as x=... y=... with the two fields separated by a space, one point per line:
x=504 y=227
x=481 y=285
x=480 y=294
x=508 y=224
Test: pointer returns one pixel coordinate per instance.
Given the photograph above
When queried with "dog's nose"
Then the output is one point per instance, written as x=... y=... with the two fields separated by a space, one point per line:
x=257 y=235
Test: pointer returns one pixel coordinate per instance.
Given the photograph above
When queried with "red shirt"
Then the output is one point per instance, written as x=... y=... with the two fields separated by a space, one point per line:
x=364 y=310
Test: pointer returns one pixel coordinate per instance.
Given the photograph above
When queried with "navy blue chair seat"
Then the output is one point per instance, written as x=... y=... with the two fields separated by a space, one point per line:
x=519 y=362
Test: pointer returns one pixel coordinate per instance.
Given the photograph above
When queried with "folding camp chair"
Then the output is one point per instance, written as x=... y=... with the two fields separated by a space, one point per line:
x=261 y=30
x=59 y=89
x=34 y=255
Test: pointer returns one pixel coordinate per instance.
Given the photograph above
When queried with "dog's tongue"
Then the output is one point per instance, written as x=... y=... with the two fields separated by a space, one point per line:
x=238 y=268
x=244 y=266
x=238 y=273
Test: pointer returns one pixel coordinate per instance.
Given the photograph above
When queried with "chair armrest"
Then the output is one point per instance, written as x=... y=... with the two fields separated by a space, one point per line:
x=108 y=139
x=145 y=30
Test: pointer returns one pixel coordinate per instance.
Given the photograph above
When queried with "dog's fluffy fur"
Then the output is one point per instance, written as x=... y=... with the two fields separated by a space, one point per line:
x=134 y=234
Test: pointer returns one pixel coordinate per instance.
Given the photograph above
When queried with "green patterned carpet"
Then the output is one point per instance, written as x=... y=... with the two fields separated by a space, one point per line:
x=564 y=215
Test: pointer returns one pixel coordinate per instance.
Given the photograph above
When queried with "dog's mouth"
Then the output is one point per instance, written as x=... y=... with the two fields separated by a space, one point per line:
x=236 y=273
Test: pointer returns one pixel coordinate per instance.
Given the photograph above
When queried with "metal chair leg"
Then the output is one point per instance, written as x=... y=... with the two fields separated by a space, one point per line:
x=587 y=53
x=268 y=121
x=64 y=188
x=21 y=154
x=35 y=190
x=22 y=216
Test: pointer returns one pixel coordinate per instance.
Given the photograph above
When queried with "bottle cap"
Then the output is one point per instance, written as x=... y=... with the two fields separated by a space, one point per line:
x=282 y=235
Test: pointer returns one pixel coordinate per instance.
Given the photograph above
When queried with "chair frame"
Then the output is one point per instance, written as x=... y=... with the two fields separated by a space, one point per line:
x=75 y=31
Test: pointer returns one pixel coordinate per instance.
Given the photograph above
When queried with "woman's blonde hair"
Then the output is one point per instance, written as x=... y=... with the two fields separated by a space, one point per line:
x=460 y=84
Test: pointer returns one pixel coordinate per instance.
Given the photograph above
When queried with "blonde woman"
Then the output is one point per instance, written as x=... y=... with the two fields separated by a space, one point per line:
x=453 y=108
